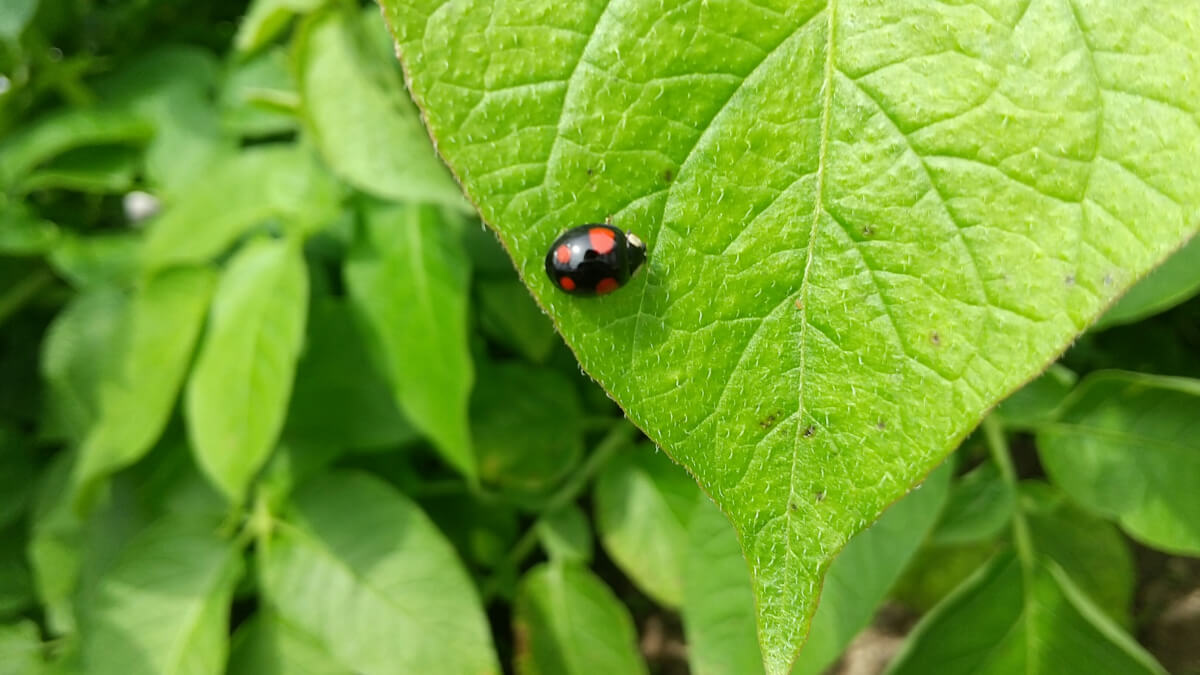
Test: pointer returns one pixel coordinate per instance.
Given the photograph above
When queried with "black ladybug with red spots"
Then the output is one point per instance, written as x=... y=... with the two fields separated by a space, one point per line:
x=594 y=259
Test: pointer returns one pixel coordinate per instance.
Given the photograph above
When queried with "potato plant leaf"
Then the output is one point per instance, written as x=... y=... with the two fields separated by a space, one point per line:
x=238 y=393
x=868 y=221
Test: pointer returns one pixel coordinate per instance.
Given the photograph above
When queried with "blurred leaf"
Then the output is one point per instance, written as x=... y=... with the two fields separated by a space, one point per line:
x=566 y=535
x=173 y=87
x=55 y=544
x=408 y=282
x=238 y=393
x=267 y=645
x=527 y=426
x=718 y=603
x=136 y=399
x=643 y=502
x=76 y=356
x=252 y=188
x=98 y=169
x=266 y=19
x=14 y=16
x=242 y=110
x=1002 y=621
x=1174 y=282
x=340 y=398
x=365 y=125
x=100 y=259
x=482 y=532
x=1037 y=401
x=66 y=129
x=508 y=315
x=935 y=571
x=718 y=600
x=363 y=571
x=1089 y=549
x=163 y=608
x=1127 y=446
x=567 y=622
x=980 y=506
x=17 y=592
x=21 y=644
x=22 y=232
x=16 y=475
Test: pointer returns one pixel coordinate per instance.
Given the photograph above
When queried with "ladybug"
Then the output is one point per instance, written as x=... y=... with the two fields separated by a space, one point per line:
x=594 y=259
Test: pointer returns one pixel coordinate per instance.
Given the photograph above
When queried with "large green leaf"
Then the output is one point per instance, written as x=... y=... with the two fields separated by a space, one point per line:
x=163 y=608
x=361 y=569
x=1006 y=621
x=164 y=321
x=868 y=221
x=569 y=623
x=1177 y=280
x=408 y=282
x=238 y=393
x=268 y=645
x=21 y=649
x=1127 y=445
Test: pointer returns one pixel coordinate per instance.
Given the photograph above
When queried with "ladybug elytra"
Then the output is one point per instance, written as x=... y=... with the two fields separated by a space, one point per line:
x=594 y=259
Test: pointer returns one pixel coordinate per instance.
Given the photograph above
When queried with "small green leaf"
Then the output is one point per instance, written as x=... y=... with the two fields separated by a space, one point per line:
x=268 y=645
x=238 y=392
x=483 y=532
x=366 y=128
x=408 y=283
x=254 y=187
x=508 y=315
x=568 y=622
x=266 y=19
x=17 y=592
x=1174 y=282
x=718 y=598
x=22 y=233
x=109 y=258
x=55 y=549
x=163 y=608
x=867 y=221
x=340 y=398
x=528 y=428
x=1089 y=549
x=265 y=76
x=643 y=502
x=16 y=475
x=1127 y=445
x=981 y=505
x=1037 y=401
x=1002 y=621
x=566 y=535
x=100 y=170
x=135 y=401
x=14 y=16
x=361 y=569
x=21 y=646
x=69 y=128
x=77 y=355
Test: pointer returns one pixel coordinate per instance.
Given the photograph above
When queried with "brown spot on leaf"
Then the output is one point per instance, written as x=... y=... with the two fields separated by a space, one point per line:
x=819 y=495
x=935 y=339
x=769 y=421
x=808 y=433
x=868 y=231
x=1070 y=280
x=799 y=303
x=881 y=425
x=667 y=175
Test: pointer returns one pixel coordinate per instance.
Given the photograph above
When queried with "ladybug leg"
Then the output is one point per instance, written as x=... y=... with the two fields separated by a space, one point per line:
x=608 y=219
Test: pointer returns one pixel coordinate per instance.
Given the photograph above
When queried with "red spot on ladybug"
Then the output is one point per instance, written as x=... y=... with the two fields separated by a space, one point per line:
x=594 y=259
x=602 y=239
x=606 y=285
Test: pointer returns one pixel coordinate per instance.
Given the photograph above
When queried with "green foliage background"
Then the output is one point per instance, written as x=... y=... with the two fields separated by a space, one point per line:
x=273 y=401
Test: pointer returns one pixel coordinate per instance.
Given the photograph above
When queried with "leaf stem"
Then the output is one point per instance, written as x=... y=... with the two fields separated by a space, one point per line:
x=997 y=443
